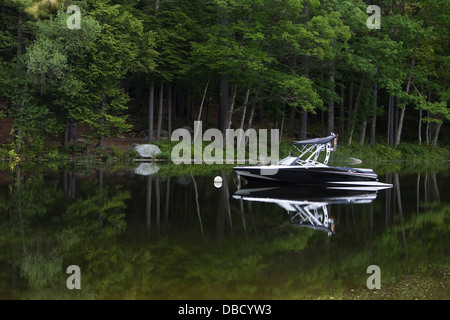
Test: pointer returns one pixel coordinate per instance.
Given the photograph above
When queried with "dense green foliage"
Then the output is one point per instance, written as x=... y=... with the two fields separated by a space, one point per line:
x=307 y=67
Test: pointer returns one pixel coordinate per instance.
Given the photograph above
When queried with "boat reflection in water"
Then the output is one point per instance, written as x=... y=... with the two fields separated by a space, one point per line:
x=307 y=206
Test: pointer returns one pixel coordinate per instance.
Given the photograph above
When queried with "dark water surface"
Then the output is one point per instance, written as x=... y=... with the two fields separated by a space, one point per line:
x=159 y=237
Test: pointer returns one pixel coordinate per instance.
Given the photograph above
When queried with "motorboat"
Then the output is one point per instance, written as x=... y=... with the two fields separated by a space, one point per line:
x=311 y=168
x=306 y=206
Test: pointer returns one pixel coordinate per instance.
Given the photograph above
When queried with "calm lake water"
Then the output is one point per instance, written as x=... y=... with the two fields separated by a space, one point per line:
x=180 y=237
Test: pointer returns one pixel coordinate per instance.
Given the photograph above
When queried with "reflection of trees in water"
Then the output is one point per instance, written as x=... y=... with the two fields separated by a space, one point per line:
x=198 y=206
x=223 y=211
x=185 y=199
x=181 y=261
x=406 y=237
x=430 y=188
x=149 y=202
x=43 y=223
x=69 y=182
x=206 y=244
x=24 y=243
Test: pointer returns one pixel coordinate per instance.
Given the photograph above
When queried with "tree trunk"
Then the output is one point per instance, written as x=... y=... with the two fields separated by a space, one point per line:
x=436 y=134
x=231 y=107
x=189 y=105
x=420 y=126
x=250 y=120
x=207 y=113
x=396 y=114
x=428 y=130
x=151 y=106
x=252 y=114
x=408 y=86
x=70 y=133
x=303 y=112
x=331 y=101
x=342 y=114
x=362 y=137
x=282 y=123
x=223 y=102
x=199 y=118
x=323 y=122
x=19 y=131
x=20 y=32
x=223 y=82
x=66 y=135
x=355 y=111
x=244 y=110
x=169 y=111
x=303 y=125
x=197 y=130
x=292 y=121
x=350 y=102
x=252 y=110
x=390 y=130
x=241 y=125
x=73 y=133
x=373 y=127
x=102 y=124
x=160 y=111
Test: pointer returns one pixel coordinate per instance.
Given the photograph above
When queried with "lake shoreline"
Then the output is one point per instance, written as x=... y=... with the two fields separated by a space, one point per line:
x=120 y=154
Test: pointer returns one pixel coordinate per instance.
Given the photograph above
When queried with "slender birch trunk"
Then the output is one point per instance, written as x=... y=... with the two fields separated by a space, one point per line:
x=169 y=111
x=197 y=130
x=331 y=101
x=408 y=86
x=357 y=103
x=231 y=107
x=151 y=106
x=373 y=127
x=342 y=114
x=241 y=126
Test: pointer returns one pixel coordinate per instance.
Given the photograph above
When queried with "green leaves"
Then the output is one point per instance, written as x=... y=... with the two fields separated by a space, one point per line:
x=45 y=62
x=298 y=52
x=296 y=91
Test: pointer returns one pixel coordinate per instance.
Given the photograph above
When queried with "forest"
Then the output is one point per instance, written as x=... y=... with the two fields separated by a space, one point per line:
x=87 y=70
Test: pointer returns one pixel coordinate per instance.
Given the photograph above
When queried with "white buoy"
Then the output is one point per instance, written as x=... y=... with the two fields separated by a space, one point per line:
x=218 y=182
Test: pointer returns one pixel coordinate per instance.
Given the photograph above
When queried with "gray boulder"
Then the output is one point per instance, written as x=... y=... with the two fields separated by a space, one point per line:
x=147 y=150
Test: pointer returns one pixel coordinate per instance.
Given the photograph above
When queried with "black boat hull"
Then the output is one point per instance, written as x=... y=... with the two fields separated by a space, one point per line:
x=312 y=176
